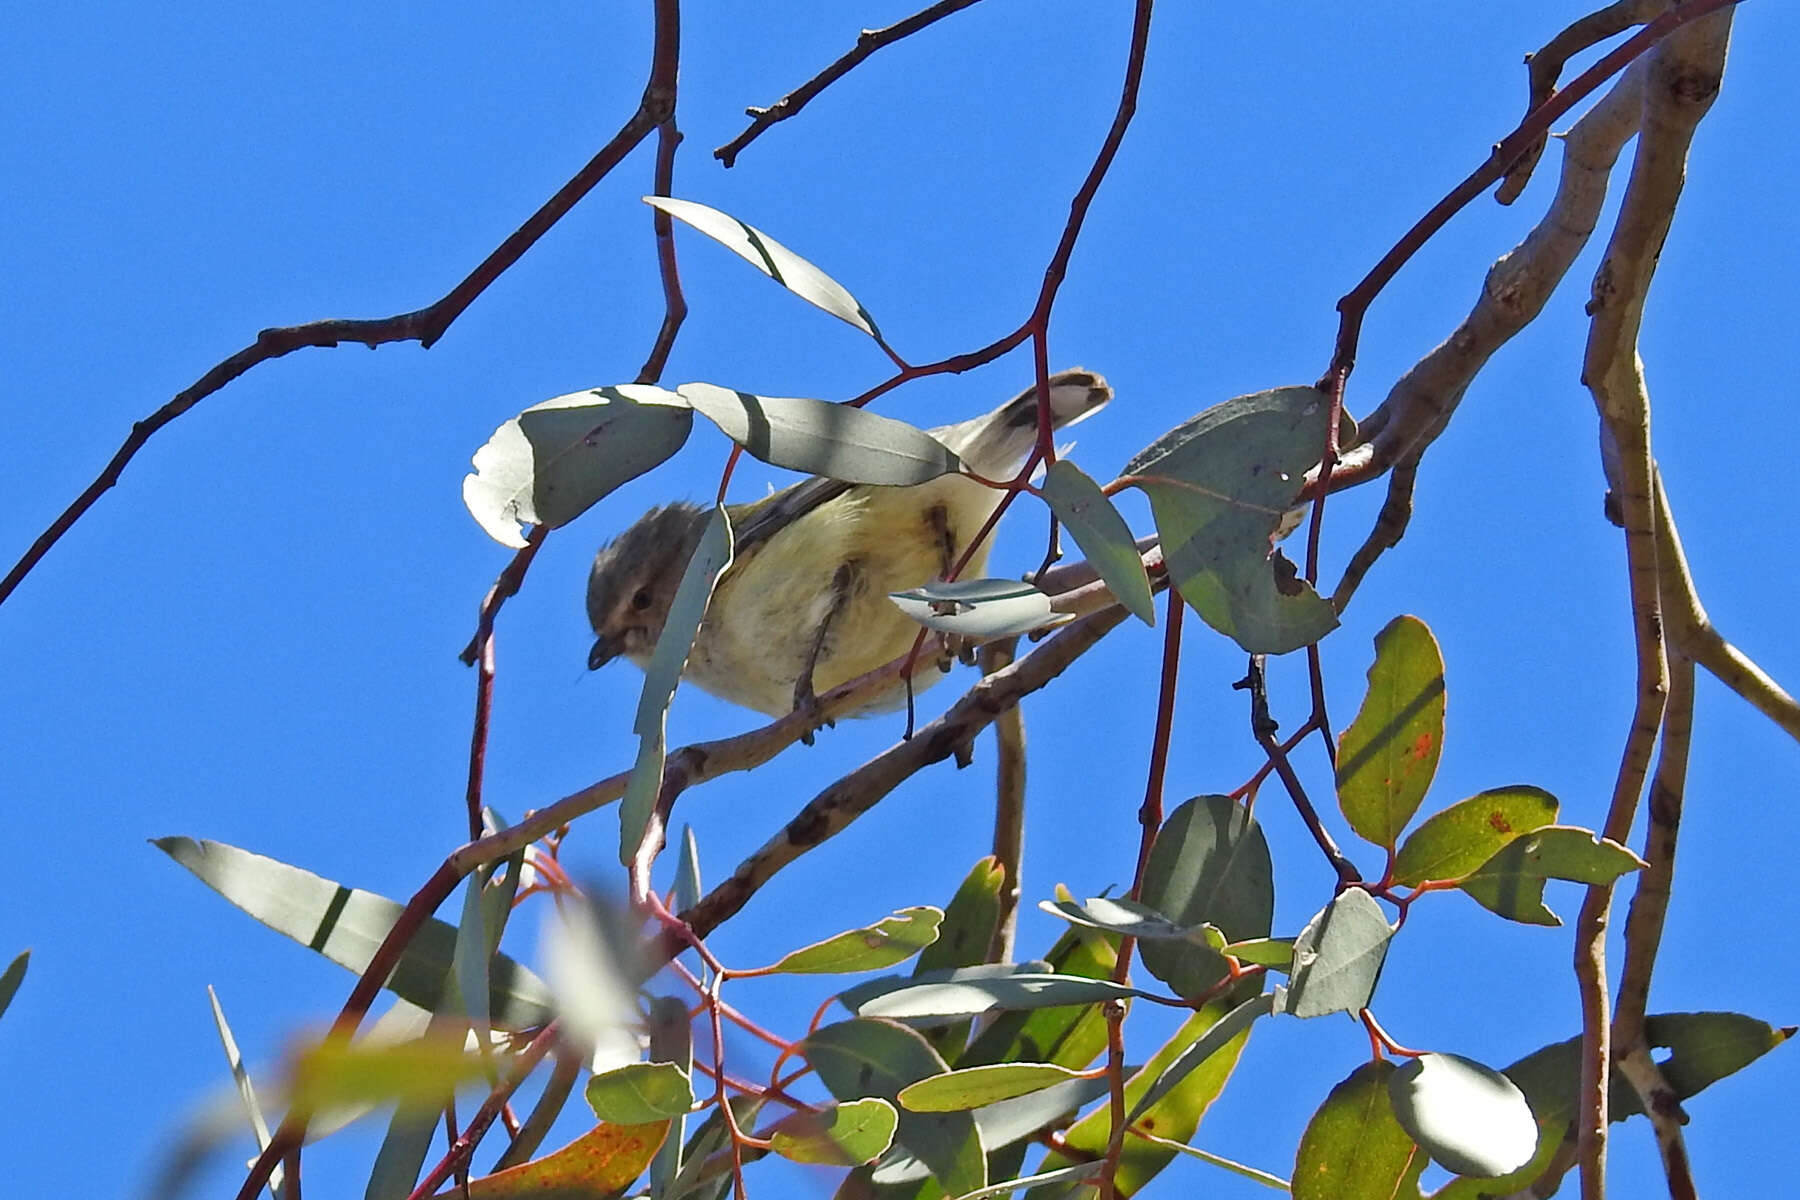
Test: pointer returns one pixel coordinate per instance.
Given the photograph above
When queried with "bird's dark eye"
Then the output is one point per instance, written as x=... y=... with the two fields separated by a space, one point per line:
x=641 y=601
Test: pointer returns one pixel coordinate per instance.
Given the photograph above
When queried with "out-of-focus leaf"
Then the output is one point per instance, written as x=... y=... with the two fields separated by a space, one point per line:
x=1354 y=1149
x=1125 y=916
x=974 y=997
x=12 y=977
x=403 y=1148
x=1219 y=485
x=712 y=555
x=552 y=462
x=671 y=1041
x=1202 y=1048
x=589 y=954
x=1453 y=843
x=772 y=259
x=347 y=926
x=1387 y=758
x=822 y=438
x=1704 y=1047
x=639 y=1093
x=1208 y=866
x=1176 y=1115
x=980 y=608
x=1511 y=883
x=1102 y=534
x=972 y=1087
x=601 y=1162
x=861 y=1058
x=423 y=1072
x=838 y=1135
x=1471 y=1119
x=1338 y=956
x=890 y=940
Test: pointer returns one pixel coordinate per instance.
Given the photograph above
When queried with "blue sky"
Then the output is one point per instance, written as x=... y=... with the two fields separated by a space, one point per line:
x=253 y=638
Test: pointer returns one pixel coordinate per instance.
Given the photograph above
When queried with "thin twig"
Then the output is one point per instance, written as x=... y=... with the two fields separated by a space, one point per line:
x=668 y=137
x=1264 y=728
x=523 y=1065
x=867 y=43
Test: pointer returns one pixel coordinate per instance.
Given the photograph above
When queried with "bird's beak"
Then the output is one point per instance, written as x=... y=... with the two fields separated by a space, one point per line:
x=602 y=653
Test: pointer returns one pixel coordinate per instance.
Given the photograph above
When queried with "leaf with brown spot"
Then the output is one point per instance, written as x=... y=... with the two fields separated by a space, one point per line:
x=600 y=1162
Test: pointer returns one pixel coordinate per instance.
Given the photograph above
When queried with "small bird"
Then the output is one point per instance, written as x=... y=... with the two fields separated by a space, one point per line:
x=804 y=604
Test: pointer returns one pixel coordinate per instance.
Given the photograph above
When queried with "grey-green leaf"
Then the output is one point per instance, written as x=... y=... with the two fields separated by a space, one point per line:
x=712 y=555
x=1338 y=956
x=1219 y=485
x=1197 y=1052
x=347 y=926
x=1122 y=915
x=1209 y=865
x=1471 y=1119
x=983 y=608
x=974 y=997
x=1102 y=534
x=821 y=438
x=552 y=462
x=772 y=259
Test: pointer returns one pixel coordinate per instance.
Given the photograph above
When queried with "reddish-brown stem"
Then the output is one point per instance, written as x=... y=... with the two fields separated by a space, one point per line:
x=506 y=586
x=867 y=43
x=1263 y=728
x=668 y=137
x=460 y=1150
x=478 y=735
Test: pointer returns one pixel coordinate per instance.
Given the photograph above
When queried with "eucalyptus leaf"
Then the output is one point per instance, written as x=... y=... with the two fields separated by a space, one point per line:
x=891 y=940
x=1338 y=956
x=347 y=926
x=1219 y=486
x=972 y=1087
x=1511 y=883
x=552 y=462
x=1388 y=755
x=1453 y=843
x=1471 y=1119
x=772 y=259
x=1123 y=916
x=1354 y=1148
x=975 y=997
x=12 y=977
x=671 y=1041
x=601 y=1162
x=712 y=555
x=639 y=1093
x=410 y=1130
x=1102 y=534
x=853 y=998
x=838 y=1135
x=1209 y=865
x=1197 y=1052
x=981 y=608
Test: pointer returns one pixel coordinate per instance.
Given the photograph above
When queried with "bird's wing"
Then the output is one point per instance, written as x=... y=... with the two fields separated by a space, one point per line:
x=782 y=509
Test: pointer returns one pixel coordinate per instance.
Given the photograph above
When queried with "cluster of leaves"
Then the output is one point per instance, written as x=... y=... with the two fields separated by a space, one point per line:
x=941 y=1081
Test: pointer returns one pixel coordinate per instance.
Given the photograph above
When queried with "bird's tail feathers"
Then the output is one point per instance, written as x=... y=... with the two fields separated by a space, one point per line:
x=996 y=443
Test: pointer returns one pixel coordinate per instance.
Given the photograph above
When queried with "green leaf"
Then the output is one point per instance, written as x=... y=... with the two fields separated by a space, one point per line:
x=1177 y=1113
x=601 y=1162
x=1471 y=1119
x=552 y=462
x=422 y=1072
x=410 y=1131
x=1209 y=865
x=1274 y=953
x=1353 y=1148
x=972 y=1087
x=687 y=872
x=772 y=259
x=1338 y=956
x=1127 y=917
x=853 y=998
x=469 y=957
x=1511 y=883
x=700 y=1175
x=1215 y=1039
x=712 y=555
x=12 y=977
x=347 y=926
x=1453 y=843
x=1219 y=485
x=1102 y=534
x=975 y=997
x=859 y=1058
x=1387 y=758
x=671 y=1041
x=891 y=940
x=982 y=608
x=1070 y=1174
x=639 y=1093
x=838 y=1135
x=968 y=927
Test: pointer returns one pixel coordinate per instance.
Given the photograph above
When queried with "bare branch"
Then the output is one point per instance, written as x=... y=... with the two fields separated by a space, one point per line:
x=1009 y=804
x=867 y=43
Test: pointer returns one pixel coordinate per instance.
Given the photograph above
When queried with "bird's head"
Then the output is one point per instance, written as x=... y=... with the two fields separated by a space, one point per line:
x=634 y=579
